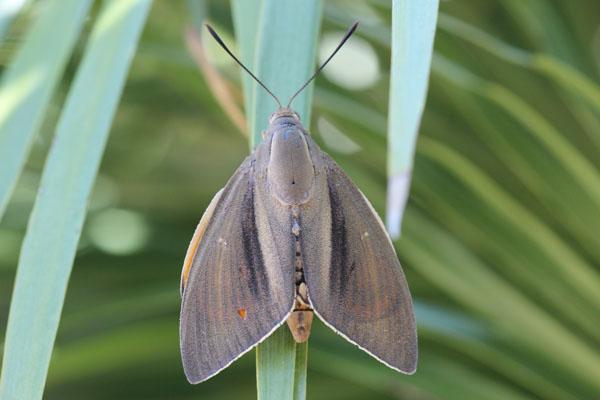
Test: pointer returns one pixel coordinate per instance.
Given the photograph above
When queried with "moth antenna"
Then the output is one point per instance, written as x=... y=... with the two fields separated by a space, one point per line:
x=346 y=36
x=218 y=39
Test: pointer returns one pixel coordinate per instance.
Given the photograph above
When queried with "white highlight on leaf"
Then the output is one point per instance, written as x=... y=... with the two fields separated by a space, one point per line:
x=397 y=196
x=119 y=232
x=355 y=67
x=11 y=6
x=334 y=138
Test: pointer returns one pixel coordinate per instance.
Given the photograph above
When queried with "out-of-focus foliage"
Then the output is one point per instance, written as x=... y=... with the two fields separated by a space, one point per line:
x=54 y=228
x=500 y=241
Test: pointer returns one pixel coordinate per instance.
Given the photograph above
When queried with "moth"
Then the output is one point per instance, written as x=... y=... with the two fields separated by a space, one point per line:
x=289 y=236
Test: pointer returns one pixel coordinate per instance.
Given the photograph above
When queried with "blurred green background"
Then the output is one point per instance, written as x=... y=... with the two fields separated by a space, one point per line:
x=501 y=239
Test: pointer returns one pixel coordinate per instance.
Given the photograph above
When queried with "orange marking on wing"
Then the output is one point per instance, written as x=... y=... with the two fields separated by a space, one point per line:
x=242 y=313
x=189 y=256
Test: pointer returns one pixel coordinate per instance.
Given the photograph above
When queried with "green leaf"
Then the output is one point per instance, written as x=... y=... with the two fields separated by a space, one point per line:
x=413 y=30
x=8 y=11
x=28 y=83
x=300 y=370
x=57 y=218
x=469 y=278
x=246 y=16
x=283 y=38
x=563 y=74
x=276 y=366
x=286 y=48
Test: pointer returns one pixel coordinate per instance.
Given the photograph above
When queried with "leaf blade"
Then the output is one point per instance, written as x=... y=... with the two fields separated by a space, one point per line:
x=280 y=368
x=29 y=82
x=413 y=31
x=55 y=224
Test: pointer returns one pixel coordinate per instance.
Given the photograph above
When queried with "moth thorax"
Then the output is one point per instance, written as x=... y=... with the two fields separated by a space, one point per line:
x=290 y=170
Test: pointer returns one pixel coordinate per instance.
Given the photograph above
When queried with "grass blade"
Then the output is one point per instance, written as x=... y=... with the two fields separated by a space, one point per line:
x=573 y=268
x=283 y=60
x=56 y=221
x=541 y=21
x=564 y=75
x=482 y=186
x=246 y=16
x=413 y=30
x=300 y=370
x=275 y=366
x=466 y=279
x=29 y=82
x=8 y=11
x=566 y=154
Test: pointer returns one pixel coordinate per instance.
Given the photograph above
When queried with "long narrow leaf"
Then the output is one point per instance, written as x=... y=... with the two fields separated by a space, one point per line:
x=541 y=21
x=413 y=30
x=300 y=371
x=557 y=70
x=483 y=187
x=29 y=82
x=275 y=366
x=8 y=11
x=280 y=42
x=56 y=221
x=246 y=15
x=285 y=59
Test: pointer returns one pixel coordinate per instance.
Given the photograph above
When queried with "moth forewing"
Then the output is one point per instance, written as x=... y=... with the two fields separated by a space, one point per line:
x=229 y=302
x=357 y=286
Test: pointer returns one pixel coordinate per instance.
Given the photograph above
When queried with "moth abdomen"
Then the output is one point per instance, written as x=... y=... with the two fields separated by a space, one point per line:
x=300 y=319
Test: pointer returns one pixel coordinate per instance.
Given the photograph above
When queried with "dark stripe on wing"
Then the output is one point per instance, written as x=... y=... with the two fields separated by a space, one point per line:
x=258 y=281
x=339 y=270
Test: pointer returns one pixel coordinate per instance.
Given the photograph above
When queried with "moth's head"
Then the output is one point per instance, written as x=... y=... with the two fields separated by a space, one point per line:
x=284 y=113
x=282 y=120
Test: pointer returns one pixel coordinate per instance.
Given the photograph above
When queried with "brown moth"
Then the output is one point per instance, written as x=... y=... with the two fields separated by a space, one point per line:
x=288 y=236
